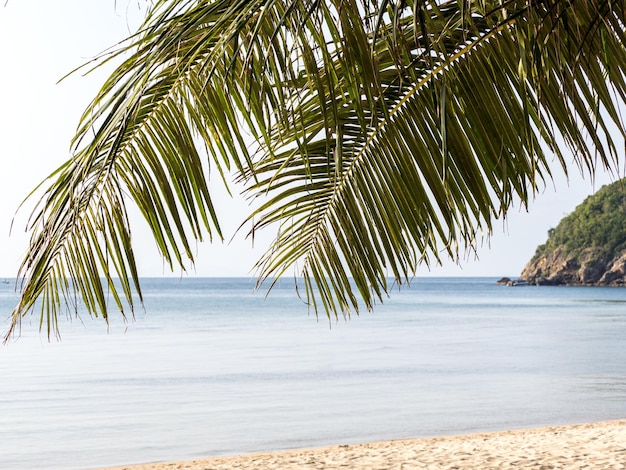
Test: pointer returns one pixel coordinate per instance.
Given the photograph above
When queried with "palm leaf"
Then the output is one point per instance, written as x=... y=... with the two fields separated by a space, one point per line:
x=471 y=127
x=386 y=135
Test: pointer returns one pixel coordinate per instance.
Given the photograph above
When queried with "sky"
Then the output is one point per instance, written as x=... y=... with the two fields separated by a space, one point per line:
x=40 y=42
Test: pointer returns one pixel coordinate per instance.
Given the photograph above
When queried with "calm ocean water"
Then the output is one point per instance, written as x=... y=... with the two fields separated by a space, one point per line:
x=213 y=368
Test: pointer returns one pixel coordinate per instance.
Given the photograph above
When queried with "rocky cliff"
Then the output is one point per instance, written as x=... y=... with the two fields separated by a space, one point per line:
x=588 y=247
x=586 y=269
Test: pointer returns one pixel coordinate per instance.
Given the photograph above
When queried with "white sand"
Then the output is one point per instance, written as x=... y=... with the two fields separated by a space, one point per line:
x=585 y=446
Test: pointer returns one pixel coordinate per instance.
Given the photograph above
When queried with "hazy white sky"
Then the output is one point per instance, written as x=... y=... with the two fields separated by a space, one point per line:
x=42 y=41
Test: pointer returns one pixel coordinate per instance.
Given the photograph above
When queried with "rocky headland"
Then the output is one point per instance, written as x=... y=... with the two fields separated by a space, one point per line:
x=588 y=247
x=585 y=269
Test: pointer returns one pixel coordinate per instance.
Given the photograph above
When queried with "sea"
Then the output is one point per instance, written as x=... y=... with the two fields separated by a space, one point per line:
x=211 y=366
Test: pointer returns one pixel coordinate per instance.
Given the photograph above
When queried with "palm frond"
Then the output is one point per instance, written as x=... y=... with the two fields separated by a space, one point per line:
x=386 y=134
x=471 y=123
x=146 y=136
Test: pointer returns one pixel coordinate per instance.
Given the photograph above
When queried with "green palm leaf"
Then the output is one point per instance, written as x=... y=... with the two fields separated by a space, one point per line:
x=475 y=125
x=387 y=135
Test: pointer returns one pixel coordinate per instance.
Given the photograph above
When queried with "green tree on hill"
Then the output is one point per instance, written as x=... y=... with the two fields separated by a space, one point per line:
x=598 y=223
x=386 y=134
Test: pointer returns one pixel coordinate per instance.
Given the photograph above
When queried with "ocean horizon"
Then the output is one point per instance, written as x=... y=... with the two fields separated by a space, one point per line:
x=211 y=367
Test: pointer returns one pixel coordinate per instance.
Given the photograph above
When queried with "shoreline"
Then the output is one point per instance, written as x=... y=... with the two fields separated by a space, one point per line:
x=589 y=445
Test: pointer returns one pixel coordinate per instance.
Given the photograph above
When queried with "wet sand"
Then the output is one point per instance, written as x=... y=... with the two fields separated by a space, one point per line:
x=585 y=446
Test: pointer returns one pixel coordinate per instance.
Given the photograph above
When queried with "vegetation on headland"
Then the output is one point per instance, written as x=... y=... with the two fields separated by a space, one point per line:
x=598 y=223
x=386 y=135
x=588 y=247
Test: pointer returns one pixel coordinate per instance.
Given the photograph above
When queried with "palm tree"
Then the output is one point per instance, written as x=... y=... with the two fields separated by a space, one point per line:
x=385 y=135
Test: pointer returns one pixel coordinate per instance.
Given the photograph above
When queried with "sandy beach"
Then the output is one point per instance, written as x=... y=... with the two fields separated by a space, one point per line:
x=584 y=446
